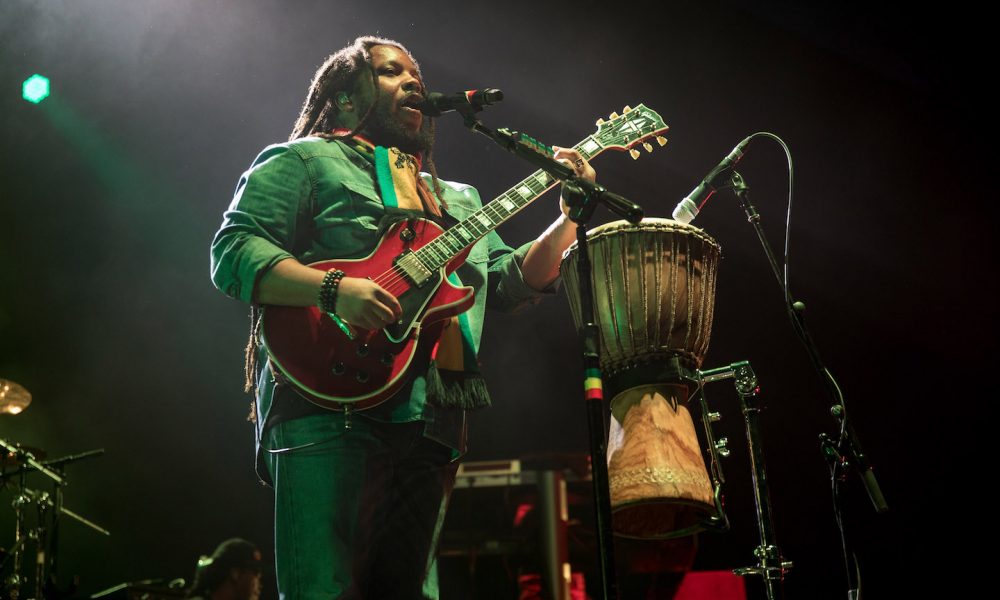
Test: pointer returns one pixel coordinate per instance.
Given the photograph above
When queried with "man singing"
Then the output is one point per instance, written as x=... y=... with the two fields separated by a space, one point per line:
x=360 y=497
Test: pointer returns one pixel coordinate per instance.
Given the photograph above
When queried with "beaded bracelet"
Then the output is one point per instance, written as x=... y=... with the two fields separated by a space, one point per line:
x=328 y=290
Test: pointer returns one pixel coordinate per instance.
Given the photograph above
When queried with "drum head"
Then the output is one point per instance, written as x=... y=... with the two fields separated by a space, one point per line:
x=649 y=224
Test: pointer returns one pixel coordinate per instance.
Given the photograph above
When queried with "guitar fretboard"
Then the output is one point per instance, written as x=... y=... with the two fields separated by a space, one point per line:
x=446 y=246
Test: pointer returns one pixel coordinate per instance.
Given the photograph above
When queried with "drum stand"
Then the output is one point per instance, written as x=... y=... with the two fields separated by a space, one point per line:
x=770 y=565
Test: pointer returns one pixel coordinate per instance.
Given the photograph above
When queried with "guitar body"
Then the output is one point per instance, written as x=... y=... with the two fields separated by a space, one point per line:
x=311 y=351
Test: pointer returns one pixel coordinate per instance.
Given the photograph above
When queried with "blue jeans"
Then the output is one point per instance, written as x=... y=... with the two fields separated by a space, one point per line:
x=358 y=512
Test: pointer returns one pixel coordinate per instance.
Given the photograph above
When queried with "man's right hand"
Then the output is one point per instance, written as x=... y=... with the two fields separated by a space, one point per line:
x=364 y=303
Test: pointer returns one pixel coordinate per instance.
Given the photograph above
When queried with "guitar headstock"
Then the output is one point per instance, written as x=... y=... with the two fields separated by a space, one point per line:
x=633 y=127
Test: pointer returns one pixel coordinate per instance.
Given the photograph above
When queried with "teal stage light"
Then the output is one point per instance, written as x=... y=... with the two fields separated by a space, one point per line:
x=35 y=88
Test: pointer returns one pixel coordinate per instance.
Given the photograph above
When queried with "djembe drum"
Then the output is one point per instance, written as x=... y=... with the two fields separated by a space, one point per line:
x=654 y=296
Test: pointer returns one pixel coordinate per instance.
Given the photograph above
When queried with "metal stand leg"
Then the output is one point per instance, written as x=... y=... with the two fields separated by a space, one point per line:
x=555 y=514
x=770 y=564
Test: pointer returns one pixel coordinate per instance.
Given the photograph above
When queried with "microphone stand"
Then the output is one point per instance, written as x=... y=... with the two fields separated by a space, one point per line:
x=583 y=197
x=539 y=155
x=846 y=451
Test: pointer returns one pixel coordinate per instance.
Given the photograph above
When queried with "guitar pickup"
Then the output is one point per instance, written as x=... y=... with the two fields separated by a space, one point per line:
x=413 y=269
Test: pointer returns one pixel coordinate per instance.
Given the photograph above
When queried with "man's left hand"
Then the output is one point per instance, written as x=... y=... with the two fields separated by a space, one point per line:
x=574 y=160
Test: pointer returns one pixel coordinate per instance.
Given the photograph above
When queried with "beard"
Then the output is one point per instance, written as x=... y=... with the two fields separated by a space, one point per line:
x=384 y=129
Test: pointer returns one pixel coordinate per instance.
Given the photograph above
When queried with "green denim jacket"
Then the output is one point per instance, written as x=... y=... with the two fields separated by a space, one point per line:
x=315 y=199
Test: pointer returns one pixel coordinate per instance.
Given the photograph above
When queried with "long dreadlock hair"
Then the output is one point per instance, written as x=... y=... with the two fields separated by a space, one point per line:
x=341 y=71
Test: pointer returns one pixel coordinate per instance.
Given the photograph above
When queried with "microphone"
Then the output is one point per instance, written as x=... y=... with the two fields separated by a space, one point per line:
x=688 y=208
x=436 y=104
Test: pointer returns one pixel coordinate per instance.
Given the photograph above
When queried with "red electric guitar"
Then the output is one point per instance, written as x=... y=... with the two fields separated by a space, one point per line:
x=412 y=261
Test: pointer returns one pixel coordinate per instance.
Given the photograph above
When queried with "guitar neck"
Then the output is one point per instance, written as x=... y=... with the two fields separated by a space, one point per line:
x=452 y=242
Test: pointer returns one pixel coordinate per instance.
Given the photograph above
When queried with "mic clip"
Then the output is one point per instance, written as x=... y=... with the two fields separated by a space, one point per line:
x=583 y=196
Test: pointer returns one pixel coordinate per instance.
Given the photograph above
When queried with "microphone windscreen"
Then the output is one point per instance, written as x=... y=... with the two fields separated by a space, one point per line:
x=685 y=212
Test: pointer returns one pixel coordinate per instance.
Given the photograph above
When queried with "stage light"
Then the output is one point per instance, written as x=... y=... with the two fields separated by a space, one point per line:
x=35 y=88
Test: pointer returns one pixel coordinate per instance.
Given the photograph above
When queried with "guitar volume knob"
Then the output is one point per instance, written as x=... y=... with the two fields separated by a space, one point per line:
x=339 y=368
x=363 y=350
x=362 y=377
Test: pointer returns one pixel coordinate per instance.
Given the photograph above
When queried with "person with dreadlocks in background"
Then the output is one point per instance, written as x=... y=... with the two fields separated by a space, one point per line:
x=360 y=499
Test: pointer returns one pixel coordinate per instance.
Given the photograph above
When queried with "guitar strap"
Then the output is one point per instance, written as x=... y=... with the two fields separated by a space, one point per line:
x=453 y=378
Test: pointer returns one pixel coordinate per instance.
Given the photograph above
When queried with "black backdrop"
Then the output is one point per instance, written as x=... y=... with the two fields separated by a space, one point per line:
x=111 y=189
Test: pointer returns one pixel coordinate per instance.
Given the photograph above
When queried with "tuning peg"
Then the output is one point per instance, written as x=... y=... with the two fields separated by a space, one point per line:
x=600 y=122
x=647 y=146
x=661 y=140
x=634 y=153
x=614 y=115
x=627 y=109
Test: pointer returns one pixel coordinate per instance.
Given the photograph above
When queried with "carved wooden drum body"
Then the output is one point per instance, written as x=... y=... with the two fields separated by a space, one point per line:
x=654 y=297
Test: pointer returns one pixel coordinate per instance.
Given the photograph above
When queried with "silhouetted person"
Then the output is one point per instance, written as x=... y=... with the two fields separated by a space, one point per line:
x=231 y=573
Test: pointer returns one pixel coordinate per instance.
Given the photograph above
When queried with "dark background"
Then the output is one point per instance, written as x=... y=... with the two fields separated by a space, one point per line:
x=111 y=190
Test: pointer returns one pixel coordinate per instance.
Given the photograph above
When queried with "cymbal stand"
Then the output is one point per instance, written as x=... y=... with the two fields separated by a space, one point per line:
x=770 y=564
x=50 y=507
x=39 y=535
x=15 y=581
x=54 y=502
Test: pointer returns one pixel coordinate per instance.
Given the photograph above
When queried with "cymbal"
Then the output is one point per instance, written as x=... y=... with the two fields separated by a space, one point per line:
x=13 y=397
x=10 y=459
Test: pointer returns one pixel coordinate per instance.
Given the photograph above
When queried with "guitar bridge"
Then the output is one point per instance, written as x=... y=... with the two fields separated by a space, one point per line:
x=413 y=269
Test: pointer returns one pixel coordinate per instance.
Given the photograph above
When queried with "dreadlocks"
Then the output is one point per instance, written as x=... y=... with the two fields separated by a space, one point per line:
x=339 y=72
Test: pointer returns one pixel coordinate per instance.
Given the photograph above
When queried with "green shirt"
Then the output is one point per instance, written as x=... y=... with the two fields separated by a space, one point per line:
x=313 y=200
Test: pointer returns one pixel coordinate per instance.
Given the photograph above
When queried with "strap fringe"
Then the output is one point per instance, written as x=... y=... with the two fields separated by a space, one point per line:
x=449 y=389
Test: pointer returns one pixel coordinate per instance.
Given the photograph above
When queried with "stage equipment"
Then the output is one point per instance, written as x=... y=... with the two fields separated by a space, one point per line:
x=688 y=208
x=147 y=589
x=842 y=450
x=495 y=500
x=18 y=462
x=582 y=198
x=13 y=397
x=435 y=104
x=654 y=295
x=35 y=88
